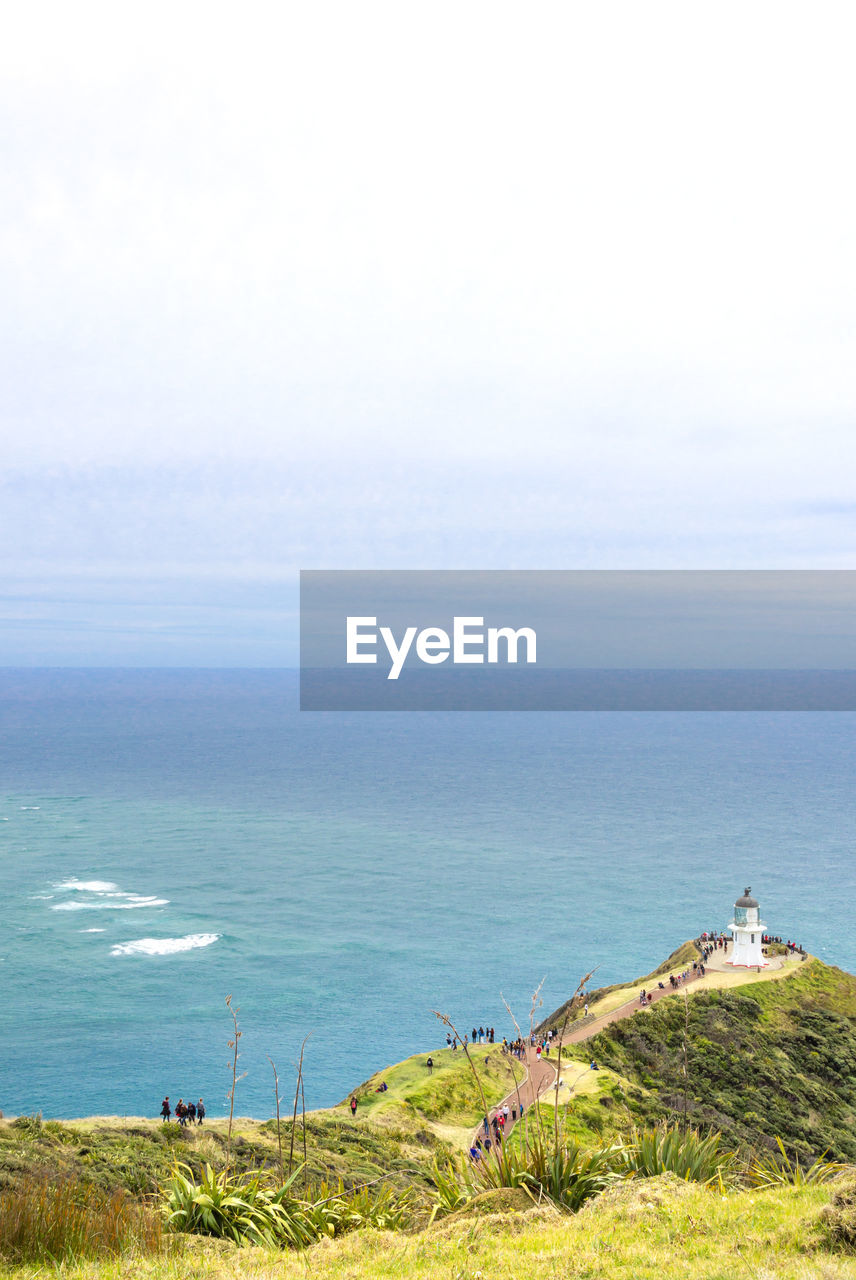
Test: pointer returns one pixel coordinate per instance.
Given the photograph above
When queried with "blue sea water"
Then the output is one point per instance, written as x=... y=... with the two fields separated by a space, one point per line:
x=169 y=838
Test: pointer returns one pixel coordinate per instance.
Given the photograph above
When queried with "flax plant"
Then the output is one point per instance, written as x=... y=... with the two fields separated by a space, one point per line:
x=774 y=1171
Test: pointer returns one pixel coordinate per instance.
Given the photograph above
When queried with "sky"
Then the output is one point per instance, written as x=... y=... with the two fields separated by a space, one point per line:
x=406 y=286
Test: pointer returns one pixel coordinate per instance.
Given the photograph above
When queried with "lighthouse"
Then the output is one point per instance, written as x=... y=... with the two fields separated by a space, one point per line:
x=747 y=929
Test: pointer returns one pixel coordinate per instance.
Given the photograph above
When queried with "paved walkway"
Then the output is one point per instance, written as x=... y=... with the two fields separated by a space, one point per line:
x=536 y=1075
x=717 y=962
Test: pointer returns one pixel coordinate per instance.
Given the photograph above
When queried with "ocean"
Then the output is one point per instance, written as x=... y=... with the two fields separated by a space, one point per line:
x=169 y=838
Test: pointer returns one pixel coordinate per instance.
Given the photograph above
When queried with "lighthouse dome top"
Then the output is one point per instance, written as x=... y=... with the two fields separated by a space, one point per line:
x=747 y=900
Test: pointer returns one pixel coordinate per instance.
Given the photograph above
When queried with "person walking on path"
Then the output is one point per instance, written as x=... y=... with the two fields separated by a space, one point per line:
x=430 y=1065
x=165 y=1111
x=200 y=1111
x=353 y=1104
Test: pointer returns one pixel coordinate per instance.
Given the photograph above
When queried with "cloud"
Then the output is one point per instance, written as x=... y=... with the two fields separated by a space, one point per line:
x=396 y=286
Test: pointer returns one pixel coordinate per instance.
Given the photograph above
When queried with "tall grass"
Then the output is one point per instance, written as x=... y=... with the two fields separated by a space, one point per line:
x=43 y=1221
x=568 y=1175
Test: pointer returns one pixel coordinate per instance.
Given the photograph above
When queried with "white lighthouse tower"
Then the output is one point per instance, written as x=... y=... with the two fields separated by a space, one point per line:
x=747 y=929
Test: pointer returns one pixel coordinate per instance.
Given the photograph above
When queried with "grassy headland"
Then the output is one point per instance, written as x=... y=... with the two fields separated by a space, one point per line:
x=764 y=1060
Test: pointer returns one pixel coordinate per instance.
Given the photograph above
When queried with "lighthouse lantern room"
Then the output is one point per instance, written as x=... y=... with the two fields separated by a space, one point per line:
x=747 y=929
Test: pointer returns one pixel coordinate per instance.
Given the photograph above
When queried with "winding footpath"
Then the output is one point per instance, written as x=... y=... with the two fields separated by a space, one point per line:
x=541 y=1071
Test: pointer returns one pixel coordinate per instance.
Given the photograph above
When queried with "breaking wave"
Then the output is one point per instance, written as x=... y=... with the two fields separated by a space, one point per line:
x=88 y=886
x=103 y=895
x=164 y=946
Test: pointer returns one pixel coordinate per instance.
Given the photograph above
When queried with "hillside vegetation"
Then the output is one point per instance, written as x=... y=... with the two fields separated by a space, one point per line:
x=386 y=1193
x=598 y=997
x=767 y=1059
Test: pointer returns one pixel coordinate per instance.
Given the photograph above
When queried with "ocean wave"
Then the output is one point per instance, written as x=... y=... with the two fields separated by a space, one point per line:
x=91 y=930
x=164 y=946
x=112 y=906
x=88 y=886
x=103 y=895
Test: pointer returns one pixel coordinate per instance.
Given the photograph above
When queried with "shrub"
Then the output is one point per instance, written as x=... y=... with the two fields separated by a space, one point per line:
x=244 y=1207
x=451 y=1190
x=838 y=1218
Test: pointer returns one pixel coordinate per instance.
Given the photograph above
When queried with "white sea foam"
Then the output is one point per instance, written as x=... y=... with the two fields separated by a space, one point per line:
x=103 y=895
x=111 y=904
x=91 y=931
x=30 y=808
x=164 y=946
x=88 y=886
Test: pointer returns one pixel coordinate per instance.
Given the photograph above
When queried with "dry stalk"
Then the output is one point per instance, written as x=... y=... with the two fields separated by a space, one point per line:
x=278 y=1132
x=296 y=1100
x=447 y=1022
x=517 y=1086
x=572 y=1005
x=303 y=1116
x=686 y=1073
x=233 y=1045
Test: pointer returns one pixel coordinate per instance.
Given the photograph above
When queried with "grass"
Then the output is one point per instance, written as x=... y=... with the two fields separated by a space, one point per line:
x=47 y=1221
x=644 y=1230
x=448 y=1096
x=138 y=1155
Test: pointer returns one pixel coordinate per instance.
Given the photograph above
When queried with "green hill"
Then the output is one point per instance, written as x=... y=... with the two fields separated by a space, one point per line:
x=766 y=1059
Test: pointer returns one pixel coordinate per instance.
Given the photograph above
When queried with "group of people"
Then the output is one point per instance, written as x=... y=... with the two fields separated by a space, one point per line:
x=676 y=980
x=791 y=946
x=185 y=1112
x=482 y=1035
x=495 y=1125
x=517 y=1048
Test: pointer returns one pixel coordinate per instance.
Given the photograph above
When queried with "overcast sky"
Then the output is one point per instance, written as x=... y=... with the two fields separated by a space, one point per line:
x=398 y=285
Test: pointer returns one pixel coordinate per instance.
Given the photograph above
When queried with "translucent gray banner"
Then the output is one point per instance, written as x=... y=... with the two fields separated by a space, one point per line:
x=578 y=640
